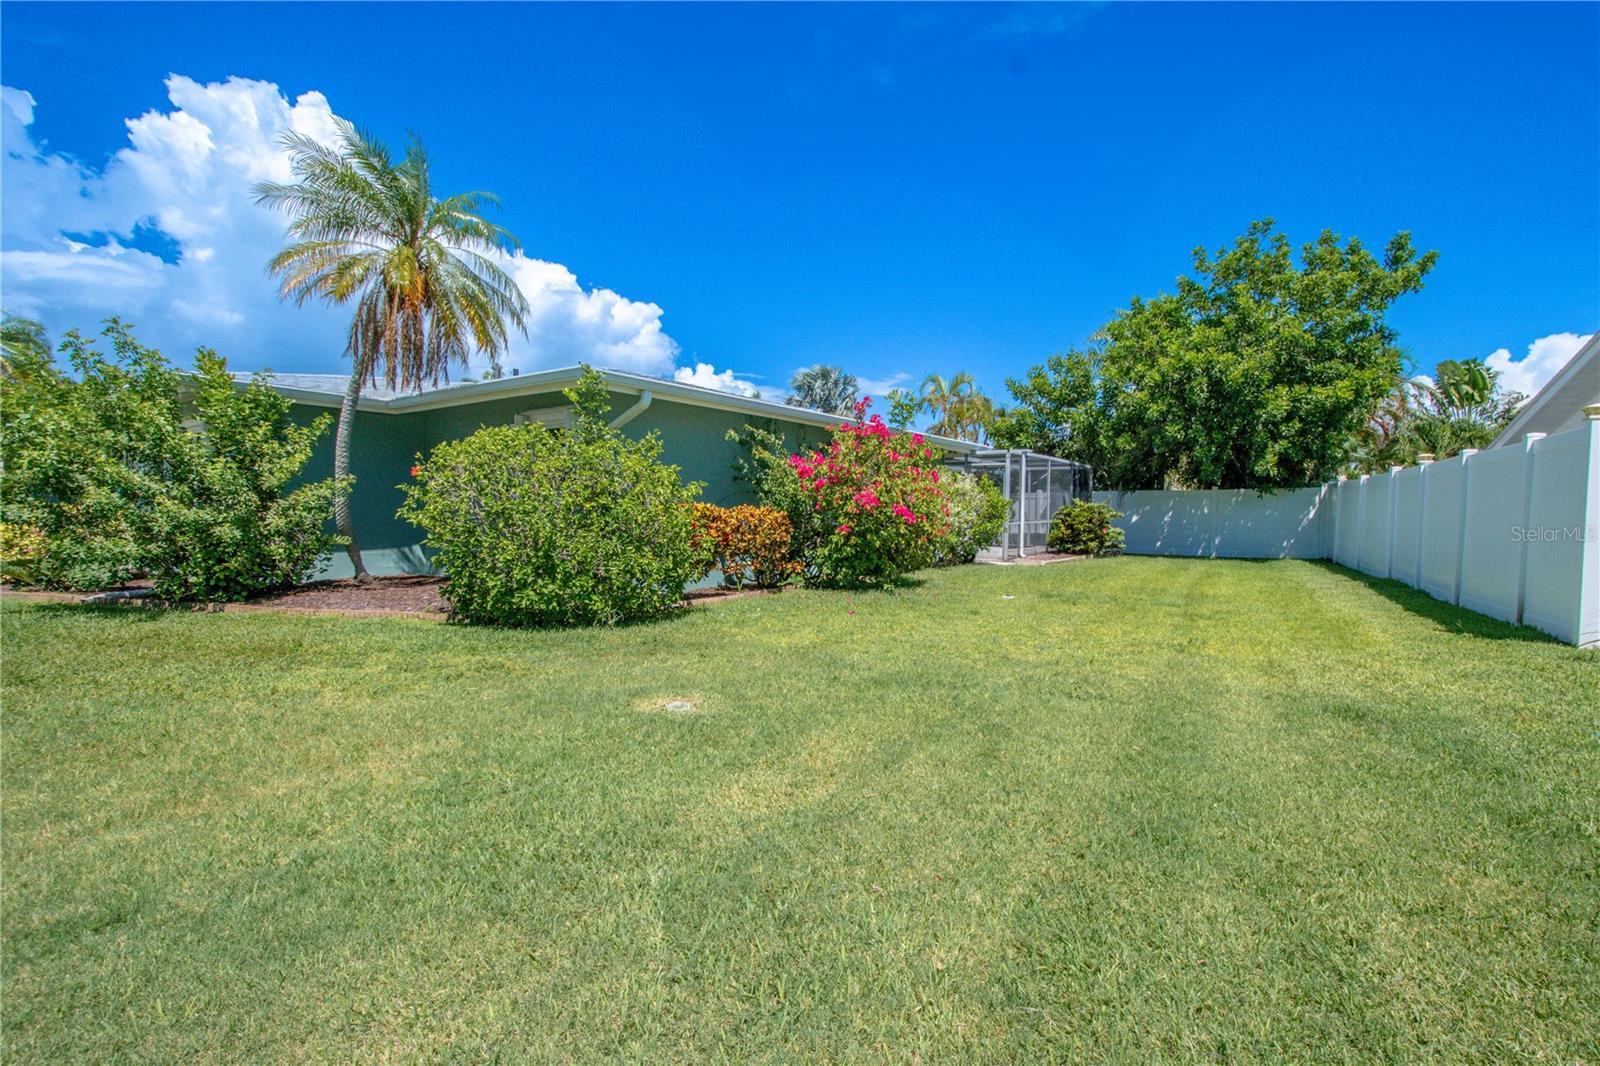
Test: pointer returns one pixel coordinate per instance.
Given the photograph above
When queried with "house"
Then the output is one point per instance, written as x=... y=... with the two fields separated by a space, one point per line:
x=1559 y=405
x=392 y=429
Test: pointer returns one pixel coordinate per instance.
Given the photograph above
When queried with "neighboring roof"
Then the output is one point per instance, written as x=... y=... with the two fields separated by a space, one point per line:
x=327 y=390
x=1559 y=405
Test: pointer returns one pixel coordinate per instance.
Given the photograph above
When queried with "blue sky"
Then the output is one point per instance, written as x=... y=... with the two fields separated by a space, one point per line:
x=896 y=188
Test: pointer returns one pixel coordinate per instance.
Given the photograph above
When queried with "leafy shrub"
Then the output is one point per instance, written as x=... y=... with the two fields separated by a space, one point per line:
x=103 y=463
x=865 y=509
x=1084 y=528
x=225 y=524
x=543 y=527
x=63 y=442
x=748 y=544
x=978 y=512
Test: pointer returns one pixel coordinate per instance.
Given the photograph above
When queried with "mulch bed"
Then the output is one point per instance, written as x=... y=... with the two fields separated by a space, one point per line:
x=721 y=595
x=402 y=594
x=418 y=595
x=412 y=596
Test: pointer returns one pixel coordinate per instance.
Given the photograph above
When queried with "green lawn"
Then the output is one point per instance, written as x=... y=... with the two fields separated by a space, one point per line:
x=1127 y=810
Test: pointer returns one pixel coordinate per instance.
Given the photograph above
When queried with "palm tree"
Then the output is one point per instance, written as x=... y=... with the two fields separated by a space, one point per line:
x=1462 y=408
x=418 y=269
x=1463 y=388
x=970 y=415
x=824 y=388
x=24 y=345
x=1381 y=443
x=943 y=400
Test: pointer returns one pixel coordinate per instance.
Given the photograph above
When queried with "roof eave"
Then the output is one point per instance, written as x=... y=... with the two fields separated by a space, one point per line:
x=546 y=381
x=1531 y=409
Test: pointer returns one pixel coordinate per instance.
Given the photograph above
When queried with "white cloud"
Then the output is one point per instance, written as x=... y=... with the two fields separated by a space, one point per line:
x=569 y=324
x=187 y=172
x=1545 y=357
x=878 y=388
x=707 y=377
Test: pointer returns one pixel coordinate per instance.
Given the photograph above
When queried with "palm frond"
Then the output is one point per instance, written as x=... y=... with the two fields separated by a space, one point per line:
x=420 y=271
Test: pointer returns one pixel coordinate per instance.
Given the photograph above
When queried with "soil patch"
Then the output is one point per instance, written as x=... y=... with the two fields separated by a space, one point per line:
x=402 y=594
x=414 y=595
x=722 y=595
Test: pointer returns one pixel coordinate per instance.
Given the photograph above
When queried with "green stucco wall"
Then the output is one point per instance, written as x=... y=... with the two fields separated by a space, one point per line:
x=384 y=446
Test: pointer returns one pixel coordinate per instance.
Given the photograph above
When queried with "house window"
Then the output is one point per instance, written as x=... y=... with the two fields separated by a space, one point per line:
x=549 y=417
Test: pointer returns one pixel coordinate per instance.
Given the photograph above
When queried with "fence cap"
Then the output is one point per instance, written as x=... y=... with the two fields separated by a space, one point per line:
x=1425 y=457
x=1591 y=411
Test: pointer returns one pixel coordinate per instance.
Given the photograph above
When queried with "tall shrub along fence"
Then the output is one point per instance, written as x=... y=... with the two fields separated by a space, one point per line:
x=1512 y=532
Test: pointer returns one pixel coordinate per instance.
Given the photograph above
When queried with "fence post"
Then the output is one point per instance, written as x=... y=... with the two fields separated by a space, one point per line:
x=1588 y=621
x=1211 y=524
x=1331 y=492
x=1424 y=461
x=1393 y=490
x=1361 y=519
x=1527 y=519
x=1461 y=523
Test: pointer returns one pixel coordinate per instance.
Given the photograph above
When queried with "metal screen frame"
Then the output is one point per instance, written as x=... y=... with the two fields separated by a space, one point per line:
x=1038 y=485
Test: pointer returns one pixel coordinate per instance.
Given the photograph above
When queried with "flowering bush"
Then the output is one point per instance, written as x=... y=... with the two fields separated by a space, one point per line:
x=865 y=508
x=538 y=527
x=978 y=512
x=1085 y=528
x=748 y=544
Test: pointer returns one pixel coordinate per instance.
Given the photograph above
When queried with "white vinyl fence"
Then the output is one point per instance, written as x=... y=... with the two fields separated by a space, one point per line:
x=1224 y=523
x=1511 y=532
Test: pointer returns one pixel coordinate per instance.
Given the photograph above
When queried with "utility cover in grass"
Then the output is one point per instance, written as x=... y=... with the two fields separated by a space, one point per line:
x=672 y=704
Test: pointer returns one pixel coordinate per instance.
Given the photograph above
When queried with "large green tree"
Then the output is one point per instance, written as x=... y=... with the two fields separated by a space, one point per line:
x=1258 y=372
x=367 y=230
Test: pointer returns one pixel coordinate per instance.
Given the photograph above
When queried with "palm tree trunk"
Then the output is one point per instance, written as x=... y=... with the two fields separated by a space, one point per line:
x=341 y=467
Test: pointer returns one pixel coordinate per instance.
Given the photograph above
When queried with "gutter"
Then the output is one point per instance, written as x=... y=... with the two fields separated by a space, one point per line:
x=635 y=411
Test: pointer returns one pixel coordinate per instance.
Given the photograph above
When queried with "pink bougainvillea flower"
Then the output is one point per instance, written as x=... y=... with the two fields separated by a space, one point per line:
x=844 y=529
x=866 y=498
x=916 y=438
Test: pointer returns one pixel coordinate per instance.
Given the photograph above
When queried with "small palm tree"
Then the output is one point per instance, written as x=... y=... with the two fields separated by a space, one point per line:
x=970 y=416
x=1463 y=388
x=943 y=399
x=24 y=345
x=824 y=388
x=369 y=230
